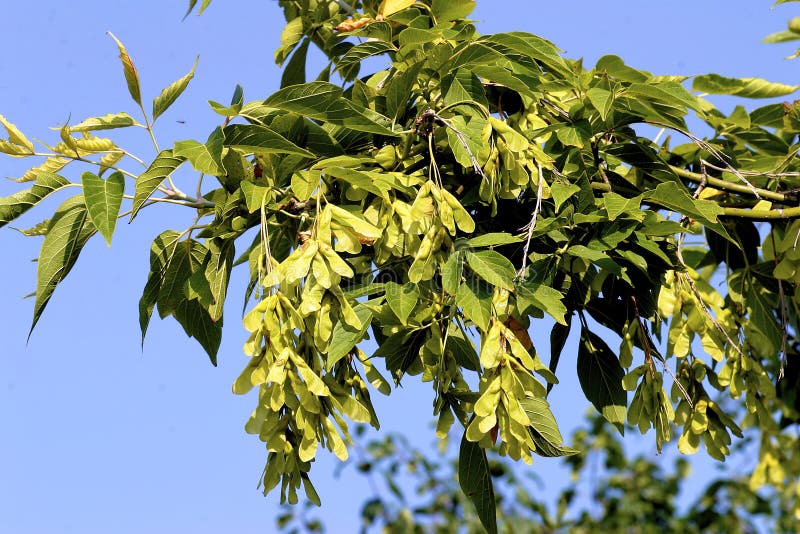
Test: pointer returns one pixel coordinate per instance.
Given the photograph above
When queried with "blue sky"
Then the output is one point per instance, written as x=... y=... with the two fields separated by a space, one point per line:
x=100 y=436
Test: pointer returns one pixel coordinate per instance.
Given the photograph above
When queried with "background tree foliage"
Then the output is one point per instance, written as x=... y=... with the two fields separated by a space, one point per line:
x=459 y=187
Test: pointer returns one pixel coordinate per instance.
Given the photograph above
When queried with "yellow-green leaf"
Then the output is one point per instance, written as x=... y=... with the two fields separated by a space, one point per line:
x=106 y=122
x=390 y=7
x=15 y=136
x=129 y=69
x=171 y=93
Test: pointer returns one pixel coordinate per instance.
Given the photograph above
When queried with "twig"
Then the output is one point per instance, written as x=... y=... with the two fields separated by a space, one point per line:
x=725 y=185
x=532 y=224
x=784 y=311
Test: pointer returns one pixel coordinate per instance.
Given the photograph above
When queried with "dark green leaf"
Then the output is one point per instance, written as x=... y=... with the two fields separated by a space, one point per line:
x=600 y=375
x=462 y=349
x=476 y=482
x=162 y=251
x=197 y=324
x=558 y=339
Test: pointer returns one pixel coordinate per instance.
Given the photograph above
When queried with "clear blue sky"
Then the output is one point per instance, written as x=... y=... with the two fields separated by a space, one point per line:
x=98 y=436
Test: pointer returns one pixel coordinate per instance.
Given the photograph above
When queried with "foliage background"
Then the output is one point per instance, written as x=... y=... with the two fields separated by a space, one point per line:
x=98 y=436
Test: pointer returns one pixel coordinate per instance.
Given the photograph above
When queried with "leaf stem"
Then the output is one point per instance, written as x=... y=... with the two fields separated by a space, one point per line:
x=728 y=186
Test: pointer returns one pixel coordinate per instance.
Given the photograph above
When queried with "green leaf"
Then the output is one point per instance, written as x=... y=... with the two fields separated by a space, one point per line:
x=744 y=87
x=205 y=158
x=162 y=251
x=402 y=299
x=617 y=205
x=103 y=200
x=576 y=135
x=66 y=236
x=295 y=71
x=493 y=239
x=171 y=93
x=290 y=36
x=544 y=428
x=255 y=196
x=345 y=337
x=324 y=101
x=601 y=99
x=558 y=339
x=616 y=67
x=236 y=103
x=492 y=267
x=129 y=70
x=447 y=10
x=451 y=273
x=15 y=205
x=398 y=90
x=562 y=191
x=671 y=94
x=475 y=480
x=462 y=349
x=464 y=138
x=476 y=305
x=542 y=297
x=198 y=324
x=258 y=139
x=218 y=273
x=673 y=196
x=362 y=51
x=147 y=182
x=600 y=375
x=187 y=258
x=106 y=122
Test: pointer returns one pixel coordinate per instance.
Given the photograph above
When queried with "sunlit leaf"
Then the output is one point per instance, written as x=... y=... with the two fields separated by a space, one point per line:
x=106 y=122
x=103 y=200
x=492 y=267
x=205 y=158
x=147 y=182
x=15 y=205
x=129 y=70
x=66 y=236
x=744 y=87
x=171 y=93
